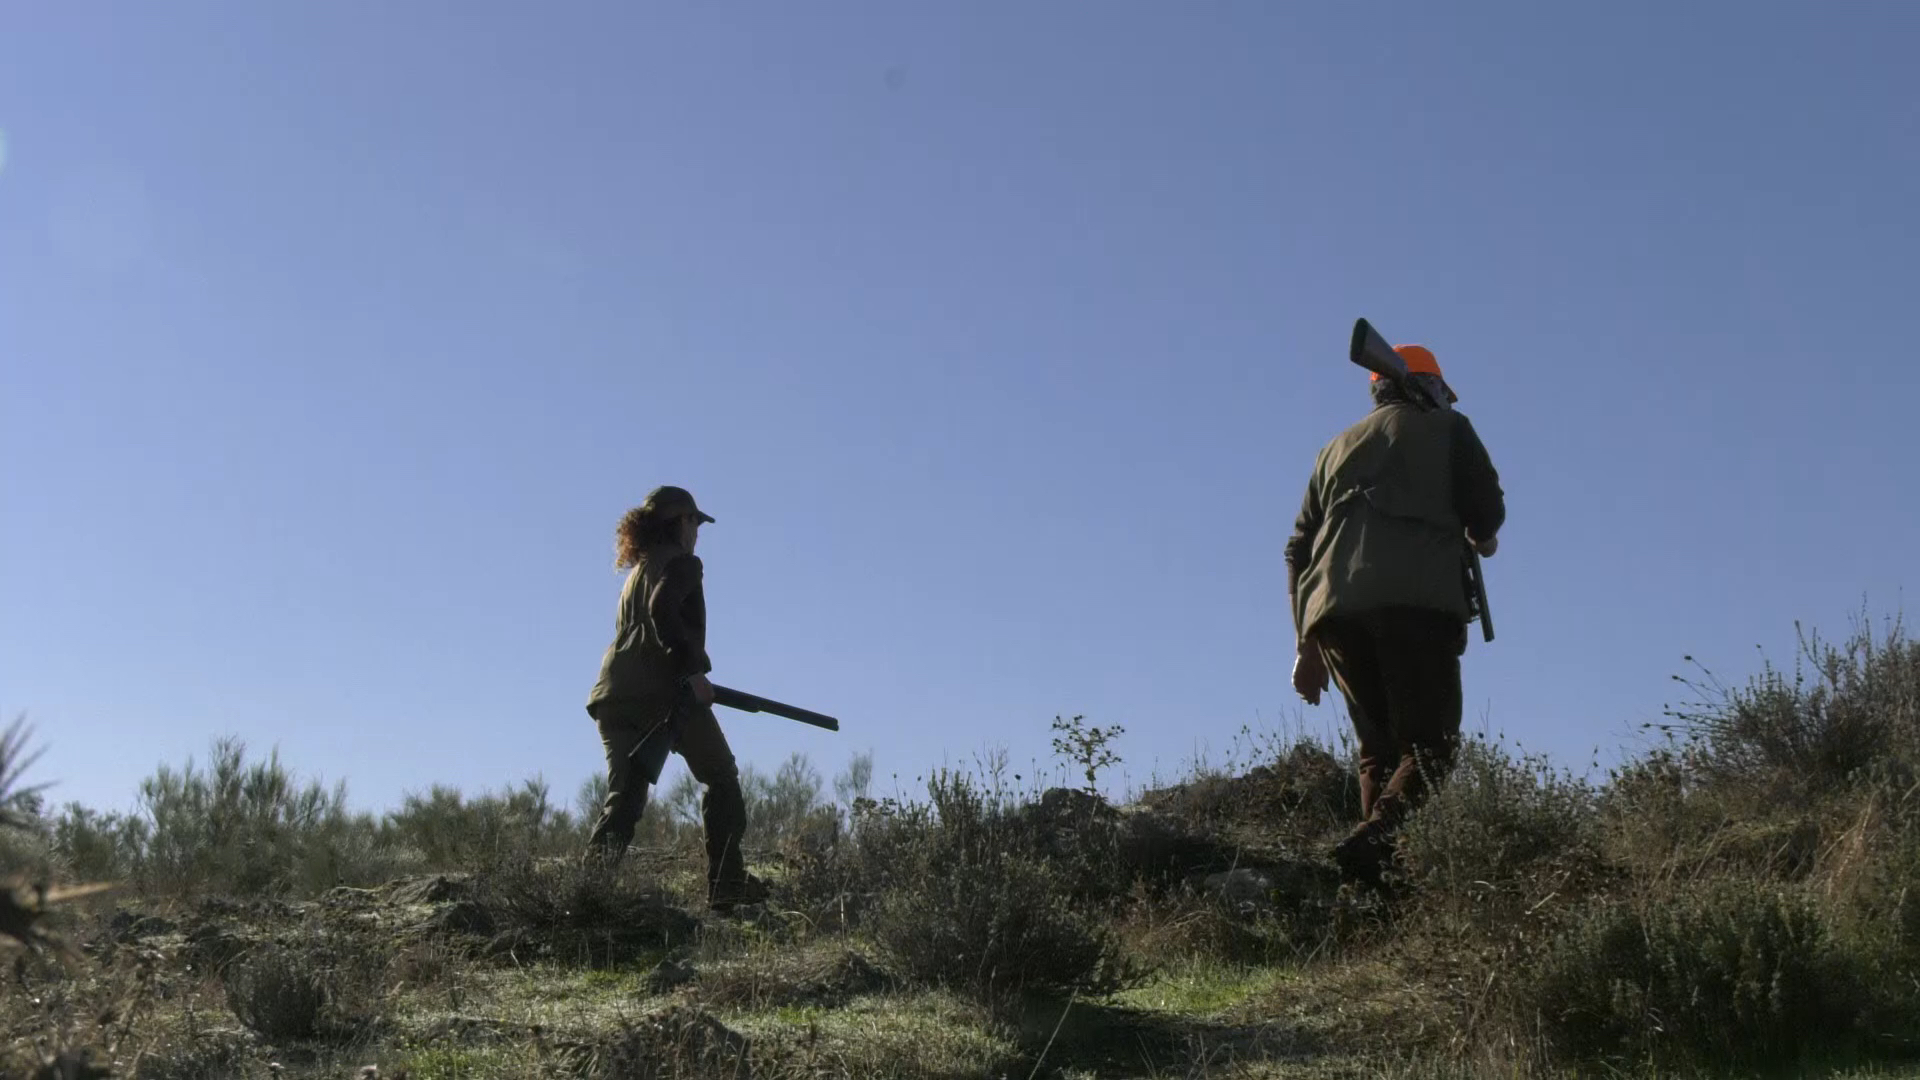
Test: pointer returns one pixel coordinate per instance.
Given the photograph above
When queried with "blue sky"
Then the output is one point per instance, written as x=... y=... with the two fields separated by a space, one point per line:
x=999 y=338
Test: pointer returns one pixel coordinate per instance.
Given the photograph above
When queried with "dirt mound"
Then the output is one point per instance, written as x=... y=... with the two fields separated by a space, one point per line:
x=567 y=913
x=432 y=889
x=1307 y=793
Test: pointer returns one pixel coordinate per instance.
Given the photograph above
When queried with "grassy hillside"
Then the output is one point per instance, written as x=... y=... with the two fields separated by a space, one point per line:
x=1743 y=899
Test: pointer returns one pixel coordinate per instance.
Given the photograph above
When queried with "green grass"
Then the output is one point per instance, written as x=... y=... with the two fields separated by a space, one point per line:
x=457 y=1062
x=1204 y=989
x=908 y=1036
x=612 y=981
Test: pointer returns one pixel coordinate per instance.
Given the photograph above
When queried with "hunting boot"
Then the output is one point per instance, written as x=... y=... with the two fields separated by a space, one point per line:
x=1365 y=854
x=613 y=833
x=724 y=818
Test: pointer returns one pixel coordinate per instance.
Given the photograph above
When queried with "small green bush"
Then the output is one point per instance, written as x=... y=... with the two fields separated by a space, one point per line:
x=1846 y=709
x=445 y=828
x=964 y=903
x=1502 y=831
x=248 y=828
x=276 y=993
x=559 y=910
x=1717 y=973
x=94 y=846
x=320 y=984
x=1301 y=791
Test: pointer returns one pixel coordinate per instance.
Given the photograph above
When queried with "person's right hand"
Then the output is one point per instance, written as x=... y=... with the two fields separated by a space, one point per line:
x=1310 y=674
x=702 y=689
x=1486 y=547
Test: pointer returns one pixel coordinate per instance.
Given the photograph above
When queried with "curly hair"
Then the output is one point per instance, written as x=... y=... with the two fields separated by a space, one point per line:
x=639 y=530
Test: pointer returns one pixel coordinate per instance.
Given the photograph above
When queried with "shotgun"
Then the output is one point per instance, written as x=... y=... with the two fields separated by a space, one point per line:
x=735 y=699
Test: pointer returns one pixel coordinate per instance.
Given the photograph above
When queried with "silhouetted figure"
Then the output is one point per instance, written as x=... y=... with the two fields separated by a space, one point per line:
x=653 y=697
x=1376 y=577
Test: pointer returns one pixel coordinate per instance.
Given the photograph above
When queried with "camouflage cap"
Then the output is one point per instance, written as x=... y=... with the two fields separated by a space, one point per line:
x=667 y=499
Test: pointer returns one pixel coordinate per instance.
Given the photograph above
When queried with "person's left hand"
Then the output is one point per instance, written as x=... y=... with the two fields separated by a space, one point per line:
x=1310 y=673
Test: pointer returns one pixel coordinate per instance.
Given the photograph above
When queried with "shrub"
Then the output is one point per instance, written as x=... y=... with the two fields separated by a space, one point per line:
x=320 y=984
x=1661 y=816
x=1500 y=832
x=1845 y=709
x=1716 y=973
x=445 y=828
x=560 y=910
x=1871 y=887
x=245 y=828
x=1297 y=792
x=94 y=846
x=965 y=904
x=275 y=993
x=780 y=805
x=26 y=851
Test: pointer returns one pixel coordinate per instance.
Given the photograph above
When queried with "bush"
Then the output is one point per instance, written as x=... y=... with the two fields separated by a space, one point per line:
x=964 y=903
x=1871 y=891
x=1662 y=816
x=1845 y=709
x=96 y=846
x=1719 y=973
x=445 y=829
x=1502 y=831
x=559 y=910
x=781 y=805
x=1301 y=791
x=321 y=984
x=277 y=994
x=246 y=828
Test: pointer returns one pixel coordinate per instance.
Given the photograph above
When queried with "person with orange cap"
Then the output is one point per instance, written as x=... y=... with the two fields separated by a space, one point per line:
x=1375 y=579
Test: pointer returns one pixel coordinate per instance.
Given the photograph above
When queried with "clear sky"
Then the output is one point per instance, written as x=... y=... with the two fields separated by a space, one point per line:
x=999 y=337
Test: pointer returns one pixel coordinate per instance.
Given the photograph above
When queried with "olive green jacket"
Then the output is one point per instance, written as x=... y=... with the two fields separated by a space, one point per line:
x=1385 y=517
x=660 y=629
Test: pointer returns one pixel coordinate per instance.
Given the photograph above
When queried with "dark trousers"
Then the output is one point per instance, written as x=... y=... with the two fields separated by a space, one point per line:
x=637 y=736
x=1399 y=670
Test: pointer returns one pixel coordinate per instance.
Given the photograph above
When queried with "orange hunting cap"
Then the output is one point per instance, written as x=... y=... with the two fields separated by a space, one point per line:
x=1419 y=360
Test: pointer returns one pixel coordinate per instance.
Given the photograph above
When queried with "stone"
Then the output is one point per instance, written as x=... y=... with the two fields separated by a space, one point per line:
x=669 y=974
